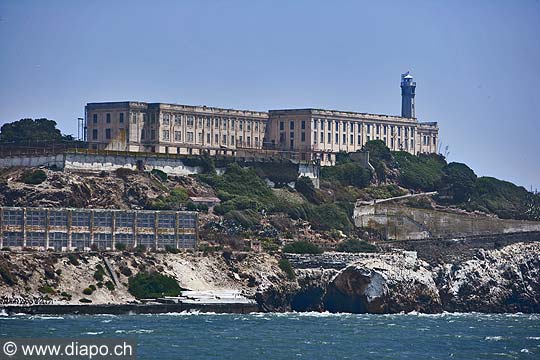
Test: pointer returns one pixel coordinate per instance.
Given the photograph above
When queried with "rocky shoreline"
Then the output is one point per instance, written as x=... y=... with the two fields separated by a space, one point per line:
x=505 y=280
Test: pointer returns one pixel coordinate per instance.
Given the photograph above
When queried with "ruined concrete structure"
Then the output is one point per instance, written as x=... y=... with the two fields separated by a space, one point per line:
x=307 y=134
x=99 y=229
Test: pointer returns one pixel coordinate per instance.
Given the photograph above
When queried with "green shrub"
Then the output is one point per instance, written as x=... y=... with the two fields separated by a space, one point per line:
x=171 y=249
x=286 y=267
x=379 y=157
x=34 y=177
x=302 y=247
x=160 y=174
x=66 y=295
x=152 y=285
x=328 y=217
x=503 y=198
x=6 y=275
x=422 y=172
x=85 y=300
x=120 y=246
x=126 y=271
x=304 y=186
x=99 y=273
x=87 y=291
x=72 y=258
x=109 y=285
x=355 y=246
x=46 y=289
x=347 y=174
x=457 y=183
x=246 y=218
x=240 y=189
x=92 y=287
x=280 y=173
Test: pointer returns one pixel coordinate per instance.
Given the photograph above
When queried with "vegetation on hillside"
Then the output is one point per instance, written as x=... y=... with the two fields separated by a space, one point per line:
x=302 y=247
x=30 y=131
x=148 y=285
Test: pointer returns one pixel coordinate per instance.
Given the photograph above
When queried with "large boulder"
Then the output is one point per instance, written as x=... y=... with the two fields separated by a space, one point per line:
x=388 y=283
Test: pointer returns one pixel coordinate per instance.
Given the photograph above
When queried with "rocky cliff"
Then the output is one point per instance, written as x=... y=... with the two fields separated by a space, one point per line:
x=505 y=280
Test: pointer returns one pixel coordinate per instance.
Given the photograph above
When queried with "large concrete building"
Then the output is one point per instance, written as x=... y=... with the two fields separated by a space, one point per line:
x=305 y=134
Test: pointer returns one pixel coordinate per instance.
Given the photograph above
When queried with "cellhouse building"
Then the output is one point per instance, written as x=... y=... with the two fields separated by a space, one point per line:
x=304 y=134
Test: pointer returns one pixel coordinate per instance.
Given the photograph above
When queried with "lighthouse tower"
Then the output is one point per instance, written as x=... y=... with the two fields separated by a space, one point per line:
x=408 y=87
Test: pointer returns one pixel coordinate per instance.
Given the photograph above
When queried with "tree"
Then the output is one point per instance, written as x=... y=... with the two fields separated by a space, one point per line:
x=457 y=182
x=28 y=130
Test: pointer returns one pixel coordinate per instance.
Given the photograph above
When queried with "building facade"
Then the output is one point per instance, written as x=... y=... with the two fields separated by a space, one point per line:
x=99 y=229
x=307 y=134
x=171 y=128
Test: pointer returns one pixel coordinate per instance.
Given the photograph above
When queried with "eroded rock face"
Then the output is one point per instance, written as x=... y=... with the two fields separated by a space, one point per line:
x=385 y=284
x=505 y=280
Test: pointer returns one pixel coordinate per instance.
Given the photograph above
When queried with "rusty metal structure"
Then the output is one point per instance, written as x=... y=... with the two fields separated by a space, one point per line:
x=63 y=229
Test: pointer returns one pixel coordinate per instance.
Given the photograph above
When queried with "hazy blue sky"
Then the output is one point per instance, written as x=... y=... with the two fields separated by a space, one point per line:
x=476 y=63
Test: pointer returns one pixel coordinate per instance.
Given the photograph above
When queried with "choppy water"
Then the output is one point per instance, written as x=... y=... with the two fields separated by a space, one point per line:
x=300 y=335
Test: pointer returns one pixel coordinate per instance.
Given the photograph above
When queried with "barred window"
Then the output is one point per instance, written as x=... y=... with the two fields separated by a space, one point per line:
x=167 y=221
x=103 y=218
x=36 y=218
x=79 y=218
x=145 y=220
x=13 y=217
x=58 y=218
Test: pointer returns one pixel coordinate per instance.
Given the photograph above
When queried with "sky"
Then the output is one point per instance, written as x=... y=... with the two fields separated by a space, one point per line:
x=476 y=64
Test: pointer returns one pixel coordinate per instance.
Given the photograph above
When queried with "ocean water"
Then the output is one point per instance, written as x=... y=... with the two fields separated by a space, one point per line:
x=300 y=335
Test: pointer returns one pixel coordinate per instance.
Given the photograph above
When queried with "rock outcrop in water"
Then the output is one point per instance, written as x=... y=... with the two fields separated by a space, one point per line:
x=505 y=280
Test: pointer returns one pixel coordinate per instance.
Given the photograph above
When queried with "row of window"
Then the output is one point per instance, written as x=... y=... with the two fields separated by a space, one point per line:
x=59 y=240
x=95 y=118
x=38 y=218
x=165 y=136
x=350 y=126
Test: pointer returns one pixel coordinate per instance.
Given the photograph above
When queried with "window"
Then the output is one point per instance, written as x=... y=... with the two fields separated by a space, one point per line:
x=94 y=134
x=152 y=118
x=177 y=136
x=121 y=118
x=378 y=129
x=199 y=122
x=384 y=129
x=165 y=135
x=152 y=134
x=190 y=136
x=216 y=138
x=249 y=125
x=177 y=119
x=249 y=141
x=322 y=124
x=208 y=138
x=303 y=136
x=315 y=137
x=368 y=137
x=329 y=138
x=344 y=126
x=256 y=141
x=337 y=139
x=291 y=125
x=208 y=120
x=392 y=142
x=281 y=125
x=256 y=126
x=107 y=133
x=94 y=119
x=166 y=119
x=399 y=131
x=232 y=139
x=241 y=125
x=303 y=125
x=142 y=134
x=232 y=123
x=225 y=139
x=322 y=137
x=216 y=123
x=134 y=118
x=359 y=139
x=412 y=143
x=344 y=139
x=352 y=140
x=291 y=135
x=199 y=138
x=108 y=118
x=368 y=128
x=190 y=121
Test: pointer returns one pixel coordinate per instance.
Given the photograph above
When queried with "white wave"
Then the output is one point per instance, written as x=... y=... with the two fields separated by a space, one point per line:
x=524 y=350
x=134 y=331
x=46 y=317
x=93 y=333
x=493 y=338
x=533 y=338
